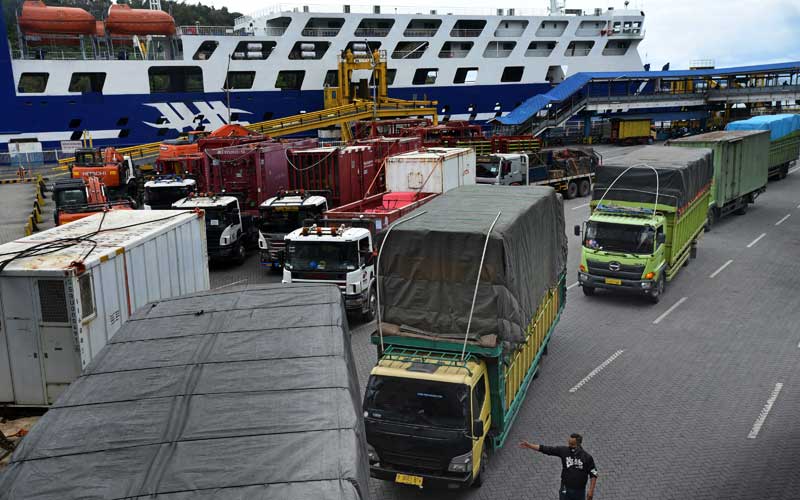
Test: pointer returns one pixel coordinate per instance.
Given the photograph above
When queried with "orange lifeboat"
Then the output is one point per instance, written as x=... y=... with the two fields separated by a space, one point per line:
x=45 y=39
x=38 y=18
x=122 y=20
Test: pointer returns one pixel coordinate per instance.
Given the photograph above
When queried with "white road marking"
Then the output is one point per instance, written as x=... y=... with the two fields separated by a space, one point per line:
x=572 y=286
x=230 y=284
x=793 y=170
x=580 y=206
x=596 y=370
x=666 y=313
x=752 y=243
x=723 y=266
x=765 y=411
x=783 y=219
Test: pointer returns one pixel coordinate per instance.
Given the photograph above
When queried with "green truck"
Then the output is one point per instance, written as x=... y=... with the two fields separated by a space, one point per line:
x=648 y=210
x=740 y=168
x=784 y=135
x=471 y=287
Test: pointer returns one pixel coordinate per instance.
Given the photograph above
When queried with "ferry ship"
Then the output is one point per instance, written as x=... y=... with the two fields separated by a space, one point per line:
x=135 y=77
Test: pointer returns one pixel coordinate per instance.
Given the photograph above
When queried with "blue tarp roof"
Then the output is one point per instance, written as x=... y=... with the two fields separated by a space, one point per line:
x=577 y=81
x=778 y=125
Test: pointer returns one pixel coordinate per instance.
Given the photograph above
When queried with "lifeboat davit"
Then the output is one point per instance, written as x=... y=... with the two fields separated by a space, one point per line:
x=122 y=20
x=38 y=18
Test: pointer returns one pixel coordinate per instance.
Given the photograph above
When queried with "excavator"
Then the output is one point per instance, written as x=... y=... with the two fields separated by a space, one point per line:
x=79 y=198
x=116 y=172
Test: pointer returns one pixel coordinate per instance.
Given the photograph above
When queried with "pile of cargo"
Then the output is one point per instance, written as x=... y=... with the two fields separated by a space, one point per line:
x=784 y=134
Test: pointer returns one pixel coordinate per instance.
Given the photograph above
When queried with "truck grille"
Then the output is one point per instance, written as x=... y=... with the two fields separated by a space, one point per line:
x=276 y=247
x=625 y=271
x=213 y=235
x=413 y=462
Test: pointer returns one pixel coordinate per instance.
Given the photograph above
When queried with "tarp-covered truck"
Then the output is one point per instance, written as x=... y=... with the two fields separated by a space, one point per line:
x=740 y=168
x=234 y=394
x=784 y=147
x=648 y=209
x=439 y=399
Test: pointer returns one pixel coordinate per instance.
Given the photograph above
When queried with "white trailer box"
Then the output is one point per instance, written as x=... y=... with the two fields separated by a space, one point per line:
x=434 y=170
x=65 y=291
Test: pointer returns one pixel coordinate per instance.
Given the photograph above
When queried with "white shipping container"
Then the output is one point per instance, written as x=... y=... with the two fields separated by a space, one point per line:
x=434 y=170
x=64 y=292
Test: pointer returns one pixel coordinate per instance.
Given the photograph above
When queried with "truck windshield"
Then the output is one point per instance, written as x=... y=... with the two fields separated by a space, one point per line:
x=417 y=402
x=220 y=217
x=165 y=195
x=284 y=220
x=487 y=169
x=619 y=237
x=71 y=197
x=322 y=256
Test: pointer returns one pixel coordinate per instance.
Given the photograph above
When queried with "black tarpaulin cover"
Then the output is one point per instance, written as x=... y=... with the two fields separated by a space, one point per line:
x=429 y=264
x=682 y=175
x=248 y=394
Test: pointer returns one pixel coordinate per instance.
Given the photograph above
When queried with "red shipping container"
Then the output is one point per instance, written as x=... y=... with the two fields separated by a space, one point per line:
x=384 y=147
x=344 y=173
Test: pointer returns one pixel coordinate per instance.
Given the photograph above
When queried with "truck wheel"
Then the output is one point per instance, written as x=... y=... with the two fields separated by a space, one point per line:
x=712 y=219
x=587 y=290
x=584 y=187
x=240 y=255
x=572 y=190
x=372 y=306
x=657 y=292
x=693 y=252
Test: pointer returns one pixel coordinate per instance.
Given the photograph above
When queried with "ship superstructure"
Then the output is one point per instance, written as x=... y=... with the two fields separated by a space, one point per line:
x=134 y=79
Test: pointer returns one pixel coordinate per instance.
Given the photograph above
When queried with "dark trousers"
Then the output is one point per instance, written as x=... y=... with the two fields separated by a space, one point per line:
x=565 y=494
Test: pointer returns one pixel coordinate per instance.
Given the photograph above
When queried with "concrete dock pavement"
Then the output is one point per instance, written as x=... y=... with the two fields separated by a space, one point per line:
x=17 y=205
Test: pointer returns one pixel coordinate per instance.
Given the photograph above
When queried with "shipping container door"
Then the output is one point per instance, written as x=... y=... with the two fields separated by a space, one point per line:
x=22 y=338
x=736 y=174
x=6 y=388
x=60 y=358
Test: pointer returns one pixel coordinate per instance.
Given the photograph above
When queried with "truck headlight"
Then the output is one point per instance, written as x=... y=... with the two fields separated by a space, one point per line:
x=461 y=463
x=372 y=454
x=224 y=240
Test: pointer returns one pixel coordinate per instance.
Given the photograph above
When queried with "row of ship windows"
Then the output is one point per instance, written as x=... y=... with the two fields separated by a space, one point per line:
x=328 y=27
x=411 y=49
x=190 y=79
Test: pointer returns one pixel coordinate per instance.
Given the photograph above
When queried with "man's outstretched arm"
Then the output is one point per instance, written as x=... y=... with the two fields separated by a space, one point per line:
x=592 y=484
x=525 y=444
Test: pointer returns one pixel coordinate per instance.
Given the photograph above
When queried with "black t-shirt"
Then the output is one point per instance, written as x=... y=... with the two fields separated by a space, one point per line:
x=576 y=467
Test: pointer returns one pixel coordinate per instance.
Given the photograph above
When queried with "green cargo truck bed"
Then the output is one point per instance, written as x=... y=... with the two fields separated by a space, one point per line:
x=784 y=151
x=740 y=162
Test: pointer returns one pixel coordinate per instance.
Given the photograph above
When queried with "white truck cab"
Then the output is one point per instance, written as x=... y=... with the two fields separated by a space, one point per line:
x=281 y=215
x=337 y=253
x=506 y=169
x=162 y=192
x=225 y=233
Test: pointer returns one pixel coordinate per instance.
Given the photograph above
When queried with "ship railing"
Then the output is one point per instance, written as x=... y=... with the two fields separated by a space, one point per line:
x=577 y=52
x=321 y=31
x=508 y=33
x=412 y=32
x=385 y=10
x=372 y=31
x=538 y=52
x=210 y=31
x=408 y=54
x=26 y=159
x=125 y=54
x=466 y=32
x=453 y=54
x=549 y=32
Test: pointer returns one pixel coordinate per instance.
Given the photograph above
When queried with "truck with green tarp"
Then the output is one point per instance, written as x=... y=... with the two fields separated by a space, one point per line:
x=471 y=286
x=784 y=135
x=648 y=210
x=740 y=168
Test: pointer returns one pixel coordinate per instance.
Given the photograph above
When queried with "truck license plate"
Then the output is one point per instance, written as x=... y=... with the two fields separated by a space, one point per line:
x=613 y=281
x=406 y=479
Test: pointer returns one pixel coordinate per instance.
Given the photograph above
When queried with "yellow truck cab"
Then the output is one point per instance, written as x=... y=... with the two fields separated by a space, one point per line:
x=438 y=401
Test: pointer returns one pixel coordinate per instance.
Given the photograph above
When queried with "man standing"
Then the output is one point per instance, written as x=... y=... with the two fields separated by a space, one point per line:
x=576 y=467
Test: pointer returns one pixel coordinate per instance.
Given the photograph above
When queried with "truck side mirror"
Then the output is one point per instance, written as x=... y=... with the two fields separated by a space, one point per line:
x=577 y=230
x=477 y=428
x=661 y=238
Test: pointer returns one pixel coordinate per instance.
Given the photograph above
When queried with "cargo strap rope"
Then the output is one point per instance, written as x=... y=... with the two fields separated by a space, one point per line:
x=309 y=167
x=378 y=269
x=478 y=282
x=655 y=203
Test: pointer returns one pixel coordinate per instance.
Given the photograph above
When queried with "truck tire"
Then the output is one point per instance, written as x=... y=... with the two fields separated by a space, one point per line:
x=584 y=188
x=655 y=295
x=572 y=190
x=588 y=290
x=712 y=218
x=693 y=251
x=372 y=306
x=241 y=254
